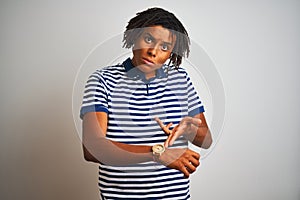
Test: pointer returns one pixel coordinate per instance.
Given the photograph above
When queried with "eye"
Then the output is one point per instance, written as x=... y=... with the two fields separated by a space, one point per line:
x=148 y=39
x=165 y=47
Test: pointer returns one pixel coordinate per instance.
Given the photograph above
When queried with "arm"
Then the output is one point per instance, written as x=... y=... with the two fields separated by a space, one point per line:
x=98 y=149
x=200 y=135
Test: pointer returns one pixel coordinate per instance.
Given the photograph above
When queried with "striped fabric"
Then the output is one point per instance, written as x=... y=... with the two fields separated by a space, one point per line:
x=132 y=103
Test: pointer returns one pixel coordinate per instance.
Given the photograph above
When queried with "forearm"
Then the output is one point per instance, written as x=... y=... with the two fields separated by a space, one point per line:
x=200 y=137
x=102 y=150
x=97 y=148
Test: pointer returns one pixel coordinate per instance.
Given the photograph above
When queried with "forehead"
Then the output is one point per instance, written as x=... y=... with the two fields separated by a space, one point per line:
x=160 y=33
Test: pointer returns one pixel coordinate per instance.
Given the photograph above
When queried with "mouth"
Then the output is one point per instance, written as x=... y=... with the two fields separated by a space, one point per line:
x=147 y=61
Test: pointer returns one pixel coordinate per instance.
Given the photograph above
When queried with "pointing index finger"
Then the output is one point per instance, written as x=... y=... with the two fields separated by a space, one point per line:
x=163 y=127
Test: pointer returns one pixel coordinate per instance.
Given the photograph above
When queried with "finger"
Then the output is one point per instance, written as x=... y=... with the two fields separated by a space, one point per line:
x=191 y=120
x=194 y=162
x=185 y=172
x=176 y=132
x=162 y=126
x=171 y=139
x=160 y=123
x=186 y=120
x=167 y=141
x=166 y=129
x=196 y=121
x=190 y=167
x=169 y=125
x=194 y=154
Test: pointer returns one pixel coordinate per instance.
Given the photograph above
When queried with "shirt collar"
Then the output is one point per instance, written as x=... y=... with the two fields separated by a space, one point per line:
x=135 y=73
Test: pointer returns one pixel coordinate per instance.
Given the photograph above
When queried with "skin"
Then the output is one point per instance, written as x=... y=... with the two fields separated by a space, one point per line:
x=151 y=50
x=195 y=129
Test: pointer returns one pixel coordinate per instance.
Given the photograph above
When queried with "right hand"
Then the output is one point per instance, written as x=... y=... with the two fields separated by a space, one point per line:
x=187 y=126
x=184 y=160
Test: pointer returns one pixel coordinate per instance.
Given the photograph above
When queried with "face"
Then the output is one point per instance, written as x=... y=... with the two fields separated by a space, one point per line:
x=152 y=49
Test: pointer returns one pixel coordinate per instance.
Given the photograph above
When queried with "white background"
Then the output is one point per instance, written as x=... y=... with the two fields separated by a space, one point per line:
x=255 y=46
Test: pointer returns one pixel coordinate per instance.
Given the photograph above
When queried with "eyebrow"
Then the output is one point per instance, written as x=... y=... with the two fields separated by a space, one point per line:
x=166 y=43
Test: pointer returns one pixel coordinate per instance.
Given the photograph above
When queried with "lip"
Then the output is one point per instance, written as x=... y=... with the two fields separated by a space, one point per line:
x=147 y=61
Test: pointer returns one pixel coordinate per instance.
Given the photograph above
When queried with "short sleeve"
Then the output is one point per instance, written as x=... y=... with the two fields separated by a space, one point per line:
x=95 y=95
x=194 y=103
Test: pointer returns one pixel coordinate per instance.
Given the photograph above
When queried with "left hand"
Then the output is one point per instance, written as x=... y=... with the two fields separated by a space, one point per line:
x=187 y=126
x=182 y=159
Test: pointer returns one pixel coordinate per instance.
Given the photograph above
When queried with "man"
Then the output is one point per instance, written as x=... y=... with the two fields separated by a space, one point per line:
x=125 y=109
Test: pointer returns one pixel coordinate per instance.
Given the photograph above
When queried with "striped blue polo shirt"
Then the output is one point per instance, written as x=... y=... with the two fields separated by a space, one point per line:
x=132 y=103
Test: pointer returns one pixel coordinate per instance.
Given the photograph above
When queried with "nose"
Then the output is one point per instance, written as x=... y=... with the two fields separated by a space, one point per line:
x=152 y=51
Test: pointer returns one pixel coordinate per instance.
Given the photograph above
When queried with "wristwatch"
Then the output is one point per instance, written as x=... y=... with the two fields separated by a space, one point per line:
x=157 y=150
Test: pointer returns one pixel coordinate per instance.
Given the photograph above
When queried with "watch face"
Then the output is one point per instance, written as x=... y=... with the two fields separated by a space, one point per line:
x=158 y=148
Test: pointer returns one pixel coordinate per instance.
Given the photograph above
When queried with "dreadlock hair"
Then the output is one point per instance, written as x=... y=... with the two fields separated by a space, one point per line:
x=158 y=16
